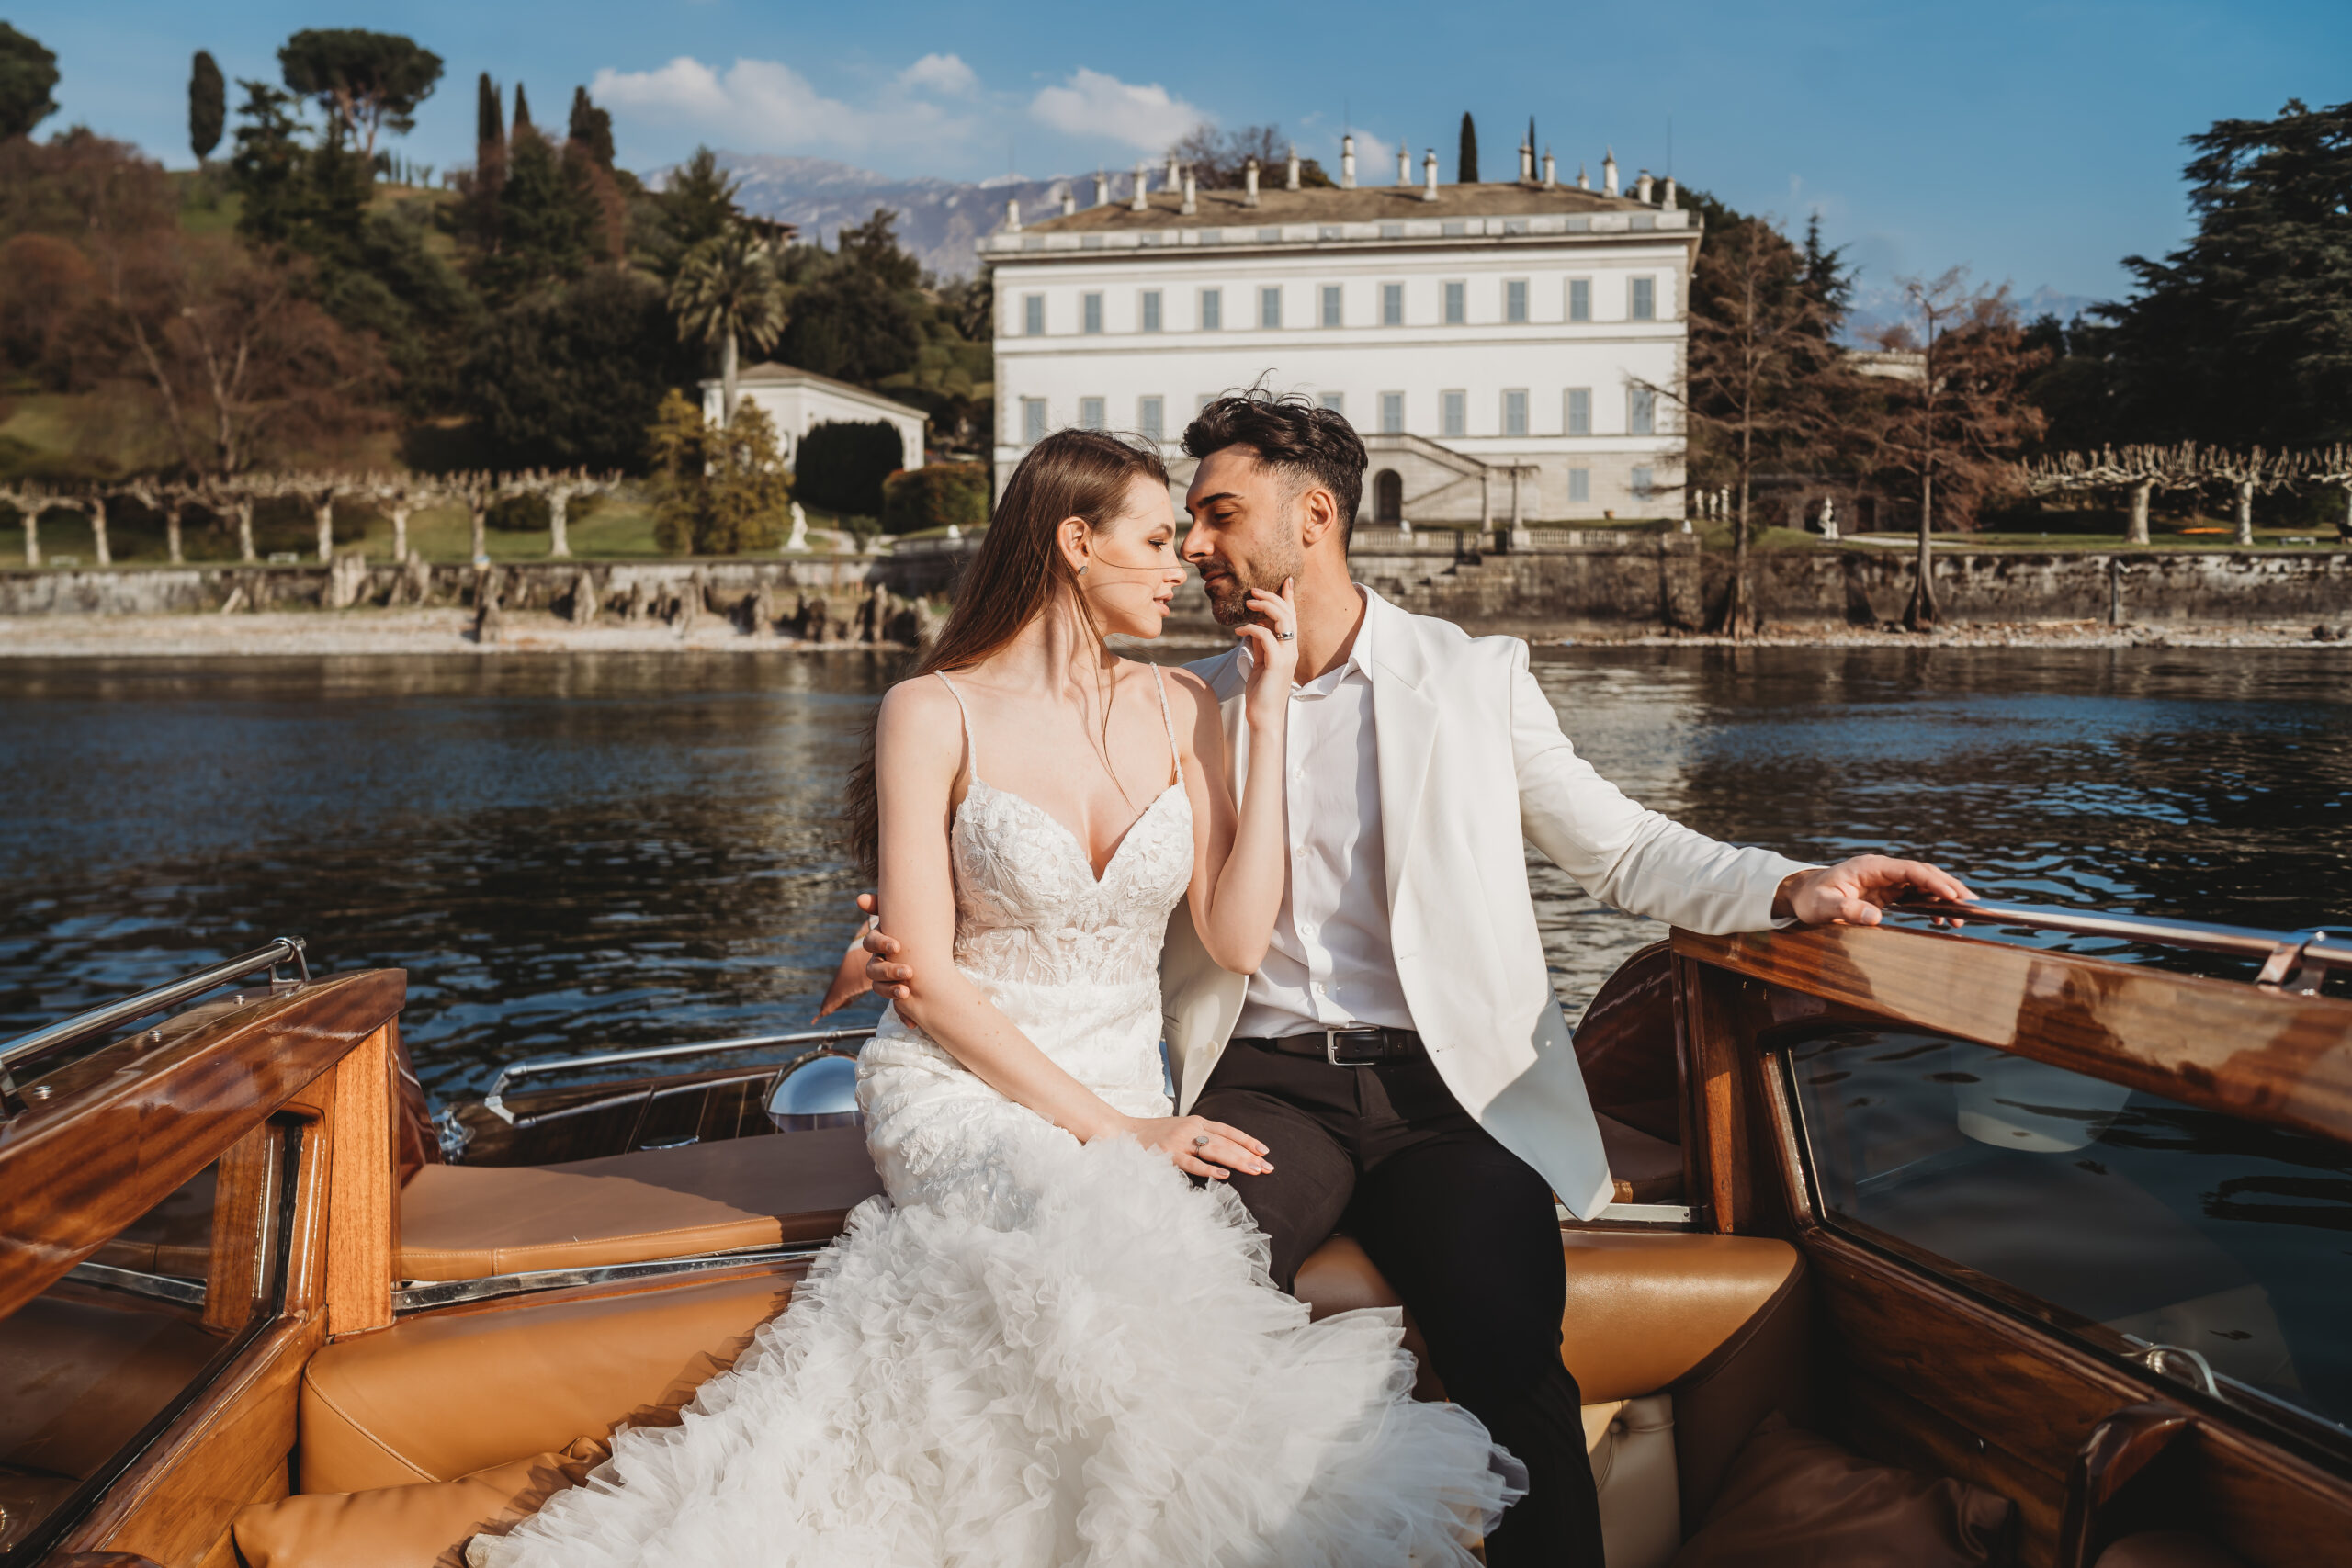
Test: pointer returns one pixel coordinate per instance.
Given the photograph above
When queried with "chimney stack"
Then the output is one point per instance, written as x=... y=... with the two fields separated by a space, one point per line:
x=1404 y=165
x=1642 y=188
x=1012 y=215
x=1101 y=188
x=1143 y=176
x=1584 y=181
x=1428 y=175
x=1290 y=173
x=1191 y=203
x=1347 y=162
x=1069 y=199
x=1249 y=183
x=1172 y=176
x=1670 y=203
x=1549 y=180
x=1608 y=173
x=1526 y=164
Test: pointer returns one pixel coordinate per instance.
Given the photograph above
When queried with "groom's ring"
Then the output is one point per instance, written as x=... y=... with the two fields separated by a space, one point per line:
x=1283 y=637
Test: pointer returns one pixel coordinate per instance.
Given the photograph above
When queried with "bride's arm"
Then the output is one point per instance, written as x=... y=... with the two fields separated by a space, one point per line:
x=1239 y=855
x=918 y=751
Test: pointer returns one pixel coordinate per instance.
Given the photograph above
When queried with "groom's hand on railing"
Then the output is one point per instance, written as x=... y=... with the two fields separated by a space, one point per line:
x=1854 y=891
x=863 y=967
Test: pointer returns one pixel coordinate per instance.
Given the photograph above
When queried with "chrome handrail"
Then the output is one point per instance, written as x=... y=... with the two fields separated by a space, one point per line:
x=2298 y=960
x=113 y=1015
x=495 y=1103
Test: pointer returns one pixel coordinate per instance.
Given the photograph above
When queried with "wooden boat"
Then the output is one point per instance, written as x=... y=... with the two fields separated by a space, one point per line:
x=1929 y=1248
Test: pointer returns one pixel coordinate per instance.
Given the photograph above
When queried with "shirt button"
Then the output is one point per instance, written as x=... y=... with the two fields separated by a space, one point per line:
x=1318 y=987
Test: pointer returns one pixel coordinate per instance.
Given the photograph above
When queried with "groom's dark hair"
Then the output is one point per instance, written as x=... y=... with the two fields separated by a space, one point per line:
x=1310 y=444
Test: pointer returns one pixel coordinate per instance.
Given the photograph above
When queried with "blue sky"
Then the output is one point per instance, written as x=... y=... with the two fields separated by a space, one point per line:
x=2035 y=142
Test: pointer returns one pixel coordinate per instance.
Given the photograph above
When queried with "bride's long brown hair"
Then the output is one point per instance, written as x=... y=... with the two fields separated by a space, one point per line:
x=1015 y=575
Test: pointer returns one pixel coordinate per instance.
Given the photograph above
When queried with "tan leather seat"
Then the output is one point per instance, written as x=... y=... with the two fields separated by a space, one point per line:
x=463 y=1222
x=436 y=1397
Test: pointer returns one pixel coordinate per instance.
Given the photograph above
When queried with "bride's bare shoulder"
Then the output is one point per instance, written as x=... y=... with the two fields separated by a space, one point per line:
x=921 y=721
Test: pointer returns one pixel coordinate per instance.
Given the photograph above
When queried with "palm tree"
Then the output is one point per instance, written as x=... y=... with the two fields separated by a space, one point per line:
x=728 y=291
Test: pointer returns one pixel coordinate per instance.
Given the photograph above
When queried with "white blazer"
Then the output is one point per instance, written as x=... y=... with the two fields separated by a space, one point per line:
x=1473 y=767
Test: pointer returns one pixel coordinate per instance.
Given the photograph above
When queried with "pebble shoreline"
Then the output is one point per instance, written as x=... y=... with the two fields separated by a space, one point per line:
x=449 y=632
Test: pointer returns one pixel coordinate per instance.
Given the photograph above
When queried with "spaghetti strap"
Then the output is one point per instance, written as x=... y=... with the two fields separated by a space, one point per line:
x=1168 y=722
x=971 y=748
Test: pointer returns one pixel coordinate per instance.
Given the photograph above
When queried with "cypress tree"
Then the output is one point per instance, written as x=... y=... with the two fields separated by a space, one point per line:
x=591 y=127
x=489 y=117
x=1466 y=171
x=1534 y=151
x=522 y=110
x=208 y=105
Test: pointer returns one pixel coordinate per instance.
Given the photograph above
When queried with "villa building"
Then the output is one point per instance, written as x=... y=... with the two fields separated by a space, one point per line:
x=797 y=401
x=1497 y=345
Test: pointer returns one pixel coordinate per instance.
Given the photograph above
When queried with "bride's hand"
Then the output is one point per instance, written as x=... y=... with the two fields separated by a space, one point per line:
x=1194 y=1141
x=1273 y=649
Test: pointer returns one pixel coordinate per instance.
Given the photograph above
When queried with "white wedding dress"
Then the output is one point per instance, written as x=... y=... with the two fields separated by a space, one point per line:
x=1036 y=1351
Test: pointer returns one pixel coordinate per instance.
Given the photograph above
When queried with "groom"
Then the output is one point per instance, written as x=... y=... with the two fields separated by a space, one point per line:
x=1400 y=1050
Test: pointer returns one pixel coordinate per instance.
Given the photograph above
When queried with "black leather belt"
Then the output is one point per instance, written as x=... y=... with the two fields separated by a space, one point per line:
x=1343 y=1047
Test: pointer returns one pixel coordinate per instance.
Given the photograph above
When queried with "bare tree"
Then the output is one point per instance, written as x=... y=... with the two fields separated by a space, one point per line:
x=2138 y=471
x=561 y=488
x=1961 y=422
x=2333 y=466
x=401 y=495
x=480 y=490
x=1757 y=380
x=2246 y=473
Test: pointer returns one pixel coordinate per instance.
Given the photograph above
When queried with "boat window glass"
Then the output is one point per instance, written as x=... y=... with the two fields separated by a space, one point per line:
x=100 y=1361
x=2124 y=1218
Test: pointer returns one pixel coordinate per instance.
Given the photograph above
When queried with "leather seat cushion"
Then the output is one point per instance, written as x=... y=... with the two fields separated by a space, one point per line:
x=1794 y=1499
x=461 y=1222
x=421 y=1526
x=439 y=1396
x=2166 y=1549
x=1642 y=1311
x=1644 y=1169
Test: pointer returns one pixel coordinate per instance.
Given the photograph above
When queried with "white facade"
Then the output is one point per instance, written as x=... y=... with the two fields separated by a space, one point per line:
x=1495 y=340
x=796 y=402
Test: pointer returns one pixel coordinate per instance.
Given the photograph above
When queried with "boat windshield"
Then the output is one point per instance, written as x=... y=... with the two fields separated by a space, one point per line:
x=2131 y=1220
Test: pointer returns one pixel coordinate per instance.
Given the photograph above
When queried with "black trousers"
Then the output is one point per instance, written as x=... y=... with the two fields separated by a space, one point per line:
x=1460 y=1226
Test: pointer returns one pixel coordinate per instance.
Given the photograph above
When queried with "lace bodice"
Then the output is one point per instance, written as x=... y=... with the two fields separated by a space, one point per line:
x=1030 y=910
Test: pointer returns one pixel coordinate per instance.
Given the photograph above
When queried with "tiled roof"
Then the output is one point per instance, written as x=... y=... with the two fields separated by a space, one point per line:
x=1365 y=204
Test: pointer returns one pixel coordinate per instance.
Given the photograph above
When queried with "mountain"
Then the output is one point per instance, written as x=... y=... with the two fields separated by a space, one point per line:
x=1883 y=306
x=938 y=220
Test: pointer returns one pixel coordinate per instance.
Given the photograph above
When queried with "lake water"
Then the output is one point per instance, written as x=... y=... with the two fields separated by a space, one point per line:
x=570 y=853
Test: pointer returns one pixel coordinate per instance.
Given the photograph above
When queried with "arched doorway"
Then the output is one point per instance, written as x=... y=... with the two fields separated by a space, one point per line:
x=1388 y=497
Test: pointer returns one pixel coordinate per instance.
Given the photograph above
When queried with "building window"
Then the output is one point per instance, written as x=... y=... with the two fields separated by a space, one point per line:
x=1644 y=306
x=1392 y=413
x=1090 y=310
x=1515 y=300
x=1032 y=315
x=1090 y=413
x=1152 y=417
x=1331 y=305
x=1212 y=309
x=1033 y=420
x=1642 y=485
x=1269 y=307
x=1151 y=310
x=1579 y=410
x=1457 y=304
x=1392 y=304
x=1337 y=402
x=1580 y=484
x=1388 y=497
x=1452 y=413
x=1579 y=298
x=1515 y=412
x=1641 y=411
x=1201 y=401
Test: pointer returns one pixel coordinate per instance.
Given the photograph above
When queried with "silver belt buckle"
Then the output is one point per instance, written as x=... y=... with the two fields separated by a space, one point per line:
x=1331 y=1048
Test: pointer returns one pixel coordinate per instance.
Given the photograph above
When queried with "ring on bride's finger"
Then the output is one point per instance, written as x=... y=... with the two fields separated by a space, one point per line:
x=1202 y=1142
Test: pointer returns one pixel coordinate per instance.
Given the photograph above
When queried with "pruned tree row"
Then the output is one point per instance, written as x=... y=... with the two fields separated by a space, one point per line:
x=397 y=495
x=2139 y=471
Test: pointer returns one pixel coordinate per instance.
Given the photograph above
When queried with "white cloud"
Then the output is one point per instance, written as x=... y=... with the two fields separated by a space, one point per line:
x=940 y=74
x=1094 y=106
x=766 y=105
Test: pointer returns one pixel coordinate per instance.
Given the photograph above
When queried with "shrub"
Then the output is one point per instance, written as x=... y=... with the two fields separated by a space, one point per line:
x=841 y=466
x=935 y=495
x=520 y=515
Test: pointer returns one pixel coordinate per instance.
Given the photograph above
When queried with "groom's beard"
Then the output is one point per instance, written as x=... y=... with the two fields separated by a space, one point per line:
x=1228 y=590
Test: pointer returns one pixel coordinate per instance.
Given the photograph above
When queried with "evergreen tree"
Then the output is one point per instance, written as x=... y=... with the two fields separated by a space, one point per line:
x=310 y=199
x=489 y=115
x=572 y=378
x=26 y=74
x=591 y=129
x=1467 y=169
x=547 y=220
x=208 y=105
x=1828 y=278
x=522 y=112
x=364 y=82
x=698 y=203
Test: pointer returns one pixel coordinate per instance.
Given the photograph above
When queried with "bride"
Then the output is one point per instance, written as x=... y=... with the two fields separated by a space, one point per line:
x=1056 y=1340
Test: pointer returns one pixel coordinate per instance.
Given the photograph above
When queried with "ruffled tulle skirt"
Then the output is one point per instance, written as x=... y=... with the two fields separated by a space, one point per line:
x=1066 y=1354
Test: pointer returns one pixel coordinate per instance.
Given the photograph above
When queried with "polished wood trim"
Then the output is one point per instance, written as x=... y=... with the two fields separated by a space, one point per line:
x=78 y=1168
x=363 y=1202
x=2217 y=1045
x=1624 y=1042
x=242 y=1216
x=225 y=1452
x=2118 y=1449
x=1713 y=1049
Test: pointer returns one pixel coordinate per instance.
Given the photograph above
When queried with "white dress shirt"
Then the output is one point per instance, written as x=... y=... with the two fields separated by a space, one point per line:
x=1330 y=963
